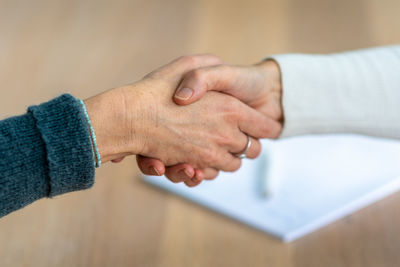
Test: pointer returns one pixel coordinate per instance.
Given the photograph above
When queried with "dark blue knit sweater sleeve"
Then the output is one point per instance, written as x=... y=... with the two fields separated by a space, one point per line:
x=44 y=153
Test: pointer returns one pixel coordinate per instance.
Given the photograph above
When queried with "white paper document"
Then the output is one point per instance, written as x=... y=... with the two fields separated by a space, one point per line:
x=315 y=180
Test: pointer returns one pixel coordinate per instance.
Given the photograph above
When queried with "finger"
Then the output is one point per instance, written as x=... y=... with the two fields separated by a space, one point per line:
x=178 y=67
x=196 y=179
x=117 y=160
x=199 y=175
x=180 y=173
x=191 y=183
x=150 y=166
x=240 y=142
x=210 y=173
x=222 y=78
x=253 y=151
x=256 y=124
x=226 y=162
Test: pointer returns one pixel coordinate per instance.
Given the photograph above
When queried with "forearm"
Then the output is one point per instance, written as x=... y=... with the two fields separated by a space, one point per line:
x=352 y=92
x=44 y=153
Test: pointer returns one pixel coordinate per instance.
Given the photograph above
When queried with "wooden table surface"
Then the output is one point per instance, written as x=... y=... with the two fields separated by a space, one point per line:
x=84 y=47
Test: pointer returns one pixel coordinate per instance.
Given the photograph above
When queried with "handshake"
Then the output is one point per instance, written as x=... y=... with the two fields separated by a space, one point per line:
x=190 y=118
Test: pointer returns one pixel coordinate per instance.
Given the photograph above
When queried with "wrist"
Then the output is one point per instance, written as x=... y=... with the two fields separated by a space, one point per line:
x=273 y=86
x=274 y=74
x=111 y=123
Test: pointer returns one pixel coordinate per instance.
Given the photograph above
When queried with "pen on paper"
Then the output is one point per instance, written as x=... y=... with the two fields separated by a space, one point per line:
x=270 y=175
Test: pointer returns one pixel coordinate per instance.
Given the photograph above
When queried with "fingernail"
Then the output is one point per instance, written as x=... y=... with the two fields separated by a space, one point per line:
x=188 y=173
x=184 y=174
x=155 y=171
x=184 y=93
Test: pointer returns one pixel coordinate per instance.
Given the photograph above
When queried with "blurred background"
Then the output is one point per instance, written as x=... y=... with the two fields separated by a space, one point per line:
x=84 y=47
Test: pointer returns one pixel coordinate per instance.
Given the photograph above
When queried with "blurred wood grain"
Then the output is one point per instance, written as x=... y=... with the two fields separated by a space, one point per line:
x=48 y=47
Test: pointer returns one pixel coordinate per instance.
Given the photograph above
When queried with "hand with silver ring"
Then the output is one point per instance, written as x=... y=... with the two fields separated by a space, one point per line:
x=258 y=86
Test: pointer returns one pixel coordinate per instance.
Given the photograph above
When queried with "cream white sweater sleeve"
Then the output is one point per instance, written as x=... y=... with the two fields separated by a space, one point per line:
x=351 y=92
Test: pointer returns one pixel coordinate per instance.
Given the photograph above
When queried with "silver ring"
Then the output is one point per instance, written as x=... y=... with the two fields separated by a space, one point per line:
x=242 y=154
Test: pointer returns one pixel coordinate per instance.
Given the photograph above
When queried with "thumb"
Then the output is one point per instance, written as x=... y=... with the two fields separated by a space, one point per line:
x=222 y=78
x=177 y=68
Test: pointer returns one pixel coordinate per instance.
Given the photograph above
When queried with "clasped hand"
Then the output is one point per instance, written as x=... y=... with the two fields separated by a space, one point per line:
x=176 y=126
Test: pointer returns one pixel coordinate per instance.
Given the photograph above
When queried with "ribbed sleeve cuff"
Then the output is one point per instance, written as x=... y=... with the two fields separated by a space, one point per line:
x=68 y=148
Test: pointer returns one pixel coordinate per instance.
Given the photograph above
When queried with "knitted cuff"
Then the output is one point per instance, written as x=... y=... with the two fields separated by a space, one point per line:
x=66 y=137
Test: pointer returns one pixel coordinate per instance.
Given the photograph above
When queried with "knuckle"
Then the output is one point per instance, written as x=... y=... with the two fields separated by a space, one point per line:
x=197 y=75
x=187 y=60
x=214 y=57
x=272 y=130
x=209 y=157
x=225 y=140
x=232 y=109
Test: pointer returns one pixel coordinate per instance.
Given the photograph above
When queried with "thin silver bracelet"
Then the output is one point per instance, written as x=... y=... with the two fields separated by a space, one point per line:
x=95 y=149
